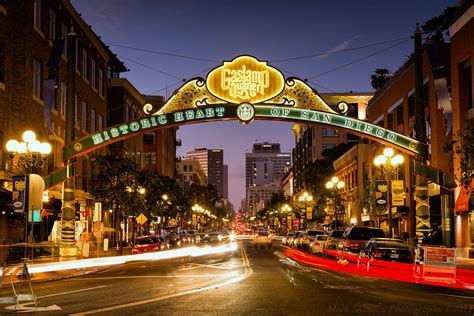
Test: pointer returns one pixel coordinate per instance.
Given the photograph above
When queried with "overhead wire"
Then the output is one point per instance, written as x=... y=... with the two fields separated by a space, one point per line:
x=149 y=67
x=357 y=60
x=163 y=53
x=340 y=51
x=314 y=83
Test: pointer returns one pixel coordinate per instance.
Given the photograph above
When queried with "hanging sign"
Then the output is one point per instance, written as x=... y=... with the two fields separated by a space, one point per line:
x=309 y=212
x=397 y=193
x=462 y=202
x=381 y=188
x=245 y=79
x=18 y=193
x=288 y=219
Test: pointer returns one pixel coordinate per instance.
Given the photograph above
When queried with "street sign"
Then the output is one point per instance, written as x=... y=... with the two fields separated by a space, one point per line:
x=141 y=219
x=381 y=188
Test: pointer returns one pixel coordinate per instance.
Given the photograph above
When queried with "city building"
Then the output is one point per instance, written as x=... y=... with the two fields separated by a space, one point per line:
x=462 y=94
x=225 y=194
x=258 y=195
x=33 y=72
x=189 y=171
x=125 y=104
x=212 y=162
x=312 y=140
x=287 y=183
x=265 y=166
x=159 y=147
x=353 y=168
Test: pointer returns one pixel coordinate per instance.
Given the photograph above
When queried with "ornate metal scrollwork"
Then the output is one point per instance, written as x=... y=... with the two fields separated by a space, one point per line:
x=342 y=107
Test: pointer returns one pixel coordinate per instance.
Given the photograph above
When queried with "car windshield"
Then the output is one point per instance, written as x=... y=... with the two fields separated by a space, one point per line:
x=315 y=232
x=337 y=233
x=146 y=240
x=358 y=233
x=391 y=244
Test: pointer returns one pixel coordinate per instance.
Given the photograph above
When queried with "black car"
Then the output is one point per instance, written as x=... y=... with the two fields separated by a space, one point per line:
x=388 y=249
x=355 y=238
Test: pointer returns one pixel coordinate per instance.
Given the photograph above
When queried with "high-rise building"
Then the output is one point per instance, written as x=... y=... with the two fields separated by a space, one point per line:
x=225 y=195
x=264 y=167
x=212 y=163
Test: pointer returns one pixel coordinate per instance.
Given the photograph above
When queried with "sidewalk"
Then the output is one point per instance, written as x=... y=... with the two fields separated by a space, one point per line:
x=70 y=273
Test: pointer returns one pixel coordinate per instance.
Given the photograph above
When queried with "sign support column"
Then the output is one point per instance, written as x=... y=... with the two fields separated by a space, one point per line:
x=68 y=212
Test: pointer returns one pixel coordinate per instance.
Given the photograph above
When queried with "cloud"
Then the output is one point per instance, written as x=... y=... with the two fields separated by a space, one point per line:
x=342 y=46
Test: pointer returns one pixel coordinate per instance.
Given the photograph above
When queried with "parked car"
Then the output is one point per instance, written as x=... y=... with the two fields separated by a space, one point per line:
x=297 y=239
x=388 y=249
x=263 y=238
x=316 y=246
x=308 y=237
x=174 y=239
x=149 y=243
x=355 y=238
x=287 y=239
x=332 y=241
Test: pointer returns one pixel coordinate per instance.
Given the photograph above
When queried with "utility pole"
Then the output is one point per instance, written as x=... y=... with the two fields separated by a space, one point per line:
x=421 y=218
x=68 y=211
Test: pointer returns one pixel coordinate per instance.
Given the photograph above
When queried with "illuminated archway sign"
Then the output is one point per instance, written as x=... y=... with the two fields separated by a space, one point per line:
x=244 y=89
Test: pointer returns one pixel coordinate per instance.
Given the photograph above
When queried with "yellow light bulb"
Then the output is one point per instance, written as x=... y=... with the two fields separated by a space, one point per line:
x=388 y=152
x=29 y=136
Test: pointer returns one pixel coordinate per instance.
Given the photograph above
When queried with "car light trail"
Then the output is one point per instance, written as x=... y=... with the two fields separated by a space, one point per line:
x=106 y=261
x=394 y=271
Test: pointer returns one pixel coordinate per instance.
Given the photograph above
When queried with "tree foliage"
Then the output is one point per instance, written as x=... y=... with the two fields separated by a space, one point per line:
x=464 y=150
x=441 y=22
x=379 y=78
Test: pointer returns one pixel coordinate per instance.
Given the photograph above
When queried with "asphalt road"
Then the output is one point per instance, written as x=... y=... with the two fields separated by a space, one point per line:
x=248 y=282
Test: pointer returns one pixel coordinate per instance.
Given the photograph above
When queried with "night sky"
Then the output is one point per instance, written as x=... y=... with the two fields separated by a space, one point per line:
x=269 y=30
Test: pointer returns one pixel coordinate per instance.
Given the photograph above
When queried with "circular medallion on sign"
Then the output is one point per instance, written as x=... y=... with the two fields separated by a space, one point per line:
x=78 y=146
x=245 y=112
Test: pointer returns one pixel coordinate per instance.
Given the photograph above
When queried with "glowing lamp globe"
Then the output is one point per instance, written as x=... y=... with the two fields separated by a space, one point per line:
x=335 y=180
x=397 y=160
x=329 y=185
x=45 y=148
x=388 y=152
x=29 y=136
x=12 y=145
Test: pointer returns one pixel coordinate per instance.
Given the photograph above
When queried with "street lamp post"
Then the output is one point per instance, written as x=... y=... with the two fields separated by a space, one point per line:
x=333 y=186
x=305 y=198
x=285 y=209
x=29 y=155
x=388 y=164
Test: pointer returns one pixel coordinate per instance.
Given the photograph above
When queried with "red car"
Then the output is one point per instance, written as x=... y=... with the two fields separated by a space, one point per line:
x=149 y=244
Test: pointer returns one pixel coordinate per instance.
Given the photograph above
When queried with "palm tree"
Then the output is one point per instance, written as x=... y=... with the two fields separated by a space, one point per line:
x=379 y=78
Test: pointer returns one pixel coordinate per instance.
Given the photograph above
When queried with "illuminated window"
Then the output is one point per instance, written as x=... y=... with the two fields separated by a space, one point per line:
x=149 y=138
x=36 y=78
x=150 y=158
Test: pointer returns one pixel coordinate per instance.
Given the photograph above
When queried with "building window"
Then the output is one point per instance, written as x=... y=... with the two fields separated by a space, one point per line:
x=52 y=24
x=149 y=138
x=101 y=82
x=93 y=73
x=399 y=115
x=100 y=122
x=330 y=132
x=76 y=48
x=328 y=146
x=127 y=113
x=37 y=78
x=2 y=60
x=64 y=37
x=84 y=63
x=37 y=14
x=190 y=167
x=84 y=116
x=133 y=114
x=150 y=158
x=411 y=106
x=63 y=99
x=76 y=108
x=93 y=121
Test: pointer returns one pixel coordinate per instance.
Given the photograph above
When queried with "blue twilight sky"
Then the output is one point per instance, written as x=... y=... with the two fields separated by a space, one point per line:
x=270 y=30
